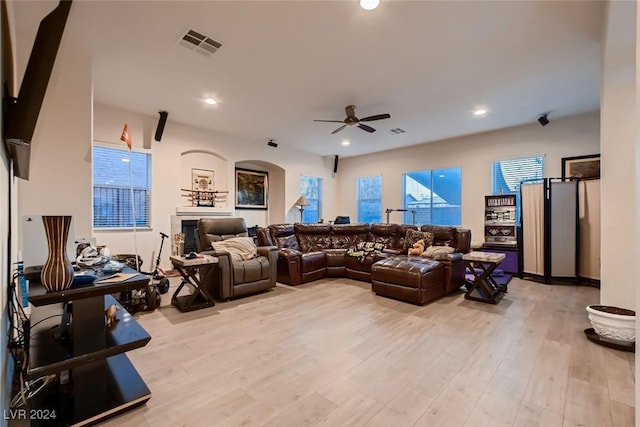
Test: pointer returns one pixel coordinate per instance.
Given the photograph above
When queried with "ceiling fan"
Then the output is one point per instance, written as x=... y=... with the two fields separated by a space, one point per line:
x=352 y=120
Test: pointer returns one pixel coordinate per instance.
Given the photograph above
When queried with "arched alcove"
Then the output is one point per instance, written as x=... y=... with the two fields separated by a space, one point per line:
x=276 y=196
x=202 y=160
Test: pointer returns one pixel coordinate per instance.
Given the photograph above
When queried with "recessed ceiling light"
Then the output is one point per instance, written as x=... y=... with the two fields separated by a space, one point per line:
x=369 y=4
x=346 y=143
x=210 y=101
x=480 y=111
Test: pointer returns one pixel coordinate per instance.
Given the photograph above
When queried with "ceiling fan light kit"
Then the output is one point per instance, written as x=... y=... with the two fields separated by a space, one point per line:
x=352 y=120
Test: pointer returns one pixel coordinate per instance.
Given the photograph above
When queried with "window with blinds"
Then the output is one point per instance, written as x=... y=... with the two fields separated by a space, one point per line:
x=115 y=173
x=312 y=190
x=506 y=175
x=370 y=199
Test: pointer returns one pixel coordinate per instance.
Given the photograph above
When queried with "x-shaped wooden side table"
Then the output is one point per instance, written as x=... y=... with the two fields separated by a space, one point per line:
x=484 y=288
x=188 y=269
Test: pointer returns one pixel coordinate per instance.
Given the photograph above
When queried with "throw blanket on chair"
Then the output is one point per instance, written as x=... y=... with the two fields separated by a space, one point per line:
x=240 y=248
x=364 y=249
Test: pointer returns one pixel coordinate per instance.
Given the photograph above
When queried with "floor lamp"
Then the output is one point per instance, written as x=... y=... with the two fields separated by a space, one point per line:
x=301 y=203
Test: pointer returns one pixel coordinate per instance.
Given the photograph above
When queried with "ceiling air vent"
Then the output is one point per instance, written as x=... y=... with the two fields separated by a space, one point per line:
x=200 y=43
x=396 y=131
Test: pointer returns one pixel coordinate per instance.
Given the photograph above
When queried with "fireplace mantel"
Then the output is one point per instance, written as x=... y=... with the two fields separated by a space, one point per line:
x=200 y=211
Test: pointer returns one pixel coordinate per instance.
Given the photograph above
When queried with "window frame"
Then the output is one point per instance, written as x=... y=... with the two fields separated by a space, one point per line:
x=310 y=199
x=496 y=192
x=408 y=215
x=358 y=199
x=149 y=166
x=516 y=192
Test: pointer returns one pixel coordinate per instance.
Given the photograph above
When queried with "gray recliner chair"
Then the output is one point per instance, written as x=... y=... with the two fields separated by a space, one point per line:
x=231 y=278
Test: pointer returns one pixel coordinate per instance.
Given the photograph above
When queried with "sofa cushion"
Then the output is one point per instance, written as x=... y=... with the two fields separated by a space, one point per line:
x=312 y=261
x=240 y=248
x=287 y=242
x=348 y=235
x=251 y=270
x=283 y=236
x=335 y=257
x=364 y=249
x=391 y=235
x=384 y=233
x=443 y=235
x=313 y=237
x=363 y=264
x=413 y=236
x=407 y=271
x=434 y=251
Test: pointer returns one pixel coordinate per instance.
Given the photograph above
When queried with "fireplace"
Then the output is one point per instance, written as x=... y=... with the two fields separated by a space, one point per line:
x=190 y=230
x=186 y=222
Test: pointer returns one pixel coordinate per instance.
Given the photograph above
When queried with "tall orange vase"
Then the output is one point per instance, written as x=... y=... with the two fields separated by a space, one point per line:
x=57 y=272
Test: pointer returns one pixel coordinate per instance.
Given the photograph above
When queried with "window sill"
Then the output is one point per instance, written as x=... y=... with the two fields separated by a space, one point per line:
x=119 y=229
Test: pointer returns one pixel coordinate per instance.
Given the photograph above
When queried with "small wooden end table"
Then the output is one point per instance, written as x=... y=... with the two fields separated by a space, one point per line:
x=188 y=269
x=483 y=287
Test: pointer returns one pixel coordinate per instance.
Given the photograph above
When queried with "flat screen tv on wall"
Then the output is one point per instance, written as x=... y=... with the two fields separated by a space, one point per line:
x=21 y=112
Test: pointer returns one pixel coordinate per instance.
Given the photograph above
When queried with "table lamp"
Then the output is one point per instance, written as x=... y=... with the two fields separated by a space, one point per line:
x=301 y=203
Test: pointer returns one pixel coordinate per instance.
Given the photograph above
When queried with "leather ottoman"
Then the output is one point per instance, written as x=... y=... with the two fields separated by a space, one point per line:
x=412 y=279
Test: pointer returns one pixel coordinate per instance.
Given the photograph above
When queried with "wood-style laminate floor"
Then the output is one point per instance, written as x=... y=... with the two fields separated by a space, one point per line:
x=332 y=353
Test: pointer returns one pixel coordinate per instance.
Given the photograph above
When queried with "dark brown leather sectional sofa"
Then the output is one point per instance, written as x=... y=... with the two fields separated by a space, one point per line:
x=308 y=252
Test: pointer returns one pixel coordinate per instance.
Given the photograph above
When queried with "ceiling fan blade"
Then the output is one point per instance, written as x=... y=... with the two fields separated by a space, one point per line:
x=367 y=128
x=339 y=129
x=329 y=121
x=376 y=117
x=351 y=111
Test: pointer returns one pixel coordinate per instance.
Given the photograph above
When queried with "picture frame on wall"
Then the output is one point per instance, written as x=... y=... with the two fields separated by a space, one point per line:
x=202 y=180
x=252 y=189
x=581 y=167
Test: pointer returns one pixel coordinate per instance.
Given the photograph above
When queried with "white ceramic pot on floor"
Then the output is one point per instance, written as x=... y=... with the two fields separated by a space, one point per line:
x=613 y=323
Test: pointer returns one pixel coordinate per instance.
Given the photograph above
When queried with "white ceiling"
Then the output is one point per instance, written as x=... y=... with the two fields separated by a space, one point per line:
x=285 y=63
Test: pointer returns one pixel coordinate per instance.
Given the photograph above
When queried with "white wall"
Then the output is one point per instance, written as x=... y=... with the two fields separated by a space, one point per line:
x=619 y=141
x=60 y=173
x=620 y=161
x=168 y=174
x=564 y=137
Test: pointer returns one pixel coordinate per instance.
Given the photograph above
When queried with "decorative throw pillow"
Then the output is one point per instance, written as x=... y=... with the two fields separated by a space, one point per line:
x=289 y=242
x=433 y=251
x=413 y=236
x=240 y=248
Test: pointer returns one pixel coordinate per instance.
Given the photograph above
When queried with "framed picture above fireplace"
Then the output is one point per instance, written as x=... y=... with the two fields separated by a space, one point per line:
x=202 y=180
x=252 y=189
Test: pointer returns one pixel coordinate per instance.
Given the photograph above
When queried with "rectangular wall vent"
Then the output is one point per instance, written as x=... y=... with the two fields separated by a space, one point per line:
x=397 y=131
x=200 y=43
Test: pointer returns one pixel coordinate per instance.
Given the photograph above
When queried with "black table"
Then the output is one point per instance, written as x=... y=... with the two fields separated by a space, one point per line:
x=483 y=288
x=188 y=269
x=94 y=378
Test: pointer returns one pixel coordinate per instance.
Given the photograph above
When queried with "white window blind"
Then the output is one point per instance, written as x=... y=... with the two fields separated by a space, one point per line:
x=506 y=175
x=112 y=201
x=370 y=199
